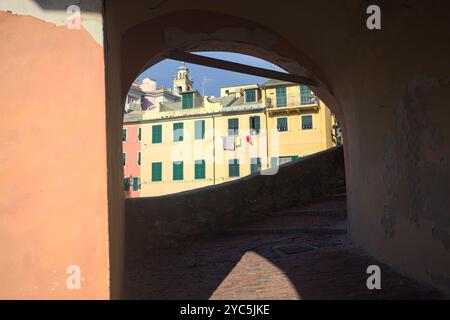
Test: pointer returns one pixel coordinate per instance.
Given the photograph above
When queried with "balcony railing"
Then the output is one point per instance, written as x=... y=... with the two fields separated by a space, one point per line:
x=290 y=101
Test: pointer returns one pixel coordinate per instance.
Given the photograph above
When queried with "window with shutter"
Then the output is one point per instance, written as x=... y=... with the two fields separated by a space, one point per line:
x=273 y=162
x=255 y=165
x=233 y=127
x=187 y=100
x=178 y=131
x=199 y=169
x=305 y=95
x=136 y=184
x=157 y=133
x=157 y=171
x=281 y=97
x=139 y=133
x=233 y=168
x=282 y=124
x=177 y=170
x=307 y=122
x=127 y=184
x=199 y=129
x=255 y=124
x=250 y=95
x=124 y=135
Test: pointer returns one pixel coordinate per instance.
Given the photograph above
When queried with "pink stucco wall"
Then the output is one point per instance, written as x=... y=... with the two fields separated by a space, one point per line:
x=53 y=204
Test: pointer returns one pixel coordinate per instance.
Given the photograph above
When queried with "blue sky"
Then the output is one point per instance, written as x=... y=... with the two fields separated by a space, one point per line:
x=163 y=72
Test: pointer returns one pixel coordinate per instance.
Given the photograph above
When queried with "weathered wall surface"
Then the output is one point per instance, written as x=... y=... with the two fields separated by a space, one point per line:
x=388 y=87
x=157 y=222
x=53 y=204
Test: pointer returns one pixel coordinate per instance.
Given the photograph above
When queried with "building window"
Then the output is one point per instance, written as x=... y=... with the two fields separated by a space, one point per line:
x=157 y=133
x=136 y=184
x=233 y=127
x=139 y=133
x=187 y=100
x=127 y=184
x=124 y=135
x=250 y=95
x=282 y=124
x=255 y=165
x=178 y=131
x=177 y=170
x=281 y=97
x=124 y=158
x=305 y=95
x=156 y=171
x=307 y=122
x=139 y=158
x=199 y=169
x=255 y=125
x=278 y=161
x=233 y=168
x=199 y=129
x=273 y=162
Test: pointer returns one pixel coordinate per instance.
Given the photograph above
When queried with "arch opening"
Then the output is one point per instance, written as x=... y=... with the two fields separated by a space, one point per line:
x=247 y=39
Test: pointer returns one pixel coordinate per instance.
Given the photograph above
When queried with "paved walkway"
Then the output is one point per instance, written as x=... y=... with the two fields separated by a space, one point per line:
x=303 y=253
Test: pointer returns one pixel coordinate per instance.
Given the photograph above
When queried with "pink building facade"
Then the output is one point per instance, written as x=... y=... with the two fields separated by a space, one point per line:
x=131 y=159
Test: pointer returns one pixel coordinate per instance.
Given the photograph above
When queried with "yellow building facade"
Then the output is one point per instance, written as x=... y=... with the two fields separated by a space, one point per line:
x=201 y=141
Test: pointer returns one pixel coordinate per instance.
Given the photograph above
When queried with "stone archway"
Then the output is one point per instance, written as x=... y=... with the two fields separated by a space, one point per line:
x=221 y=32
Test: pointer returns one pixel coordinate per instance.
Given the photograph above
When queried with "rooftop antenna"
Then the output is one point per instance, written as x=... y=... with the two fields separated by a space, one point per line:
x=205 y=80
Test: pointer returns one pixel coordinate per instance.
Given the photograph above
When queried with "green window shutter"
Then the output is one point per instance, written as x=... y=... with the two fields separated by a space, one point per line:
x=305 y=95
x=281 y=97
x=157 y=133
x=255 y=125
x=273 y=162
x=124 y=135
x=139 y=158
x=199 y=169
x=187 y=100
x=178 y=131
x=177 y=173
x=127 y=184
x=135 y=184
x=199 y=129
x=255 y=165
x=124 y=158
x=282 y=124
x=233 y=126
x=156 y=171
x=233 y=168
x=250 y=95
x=139 y=133
x=307 y=122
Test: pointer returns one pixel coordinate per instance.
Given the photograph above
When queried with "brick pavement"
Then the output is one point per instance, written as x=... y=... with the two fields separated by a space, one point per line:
x=269 y=266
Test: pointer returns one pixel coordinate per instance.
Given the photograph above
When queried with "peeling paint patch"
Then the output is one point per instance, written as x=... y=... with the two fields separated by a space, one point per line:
x=416 y=166
x=54 y=12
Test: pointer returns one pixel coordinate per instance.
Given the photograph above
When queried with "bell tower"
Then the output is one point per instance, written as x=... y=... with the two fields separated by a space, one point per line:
x=182 y=81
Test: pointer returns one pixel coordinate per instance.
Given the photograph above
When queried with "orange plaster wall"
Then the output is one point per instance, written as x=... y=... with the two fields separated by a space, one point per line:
x=53 y=203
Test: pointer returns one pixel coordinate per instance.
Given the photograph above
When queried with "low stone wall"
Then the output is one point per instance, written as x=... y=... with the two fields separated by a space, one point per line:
x=154 y=223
